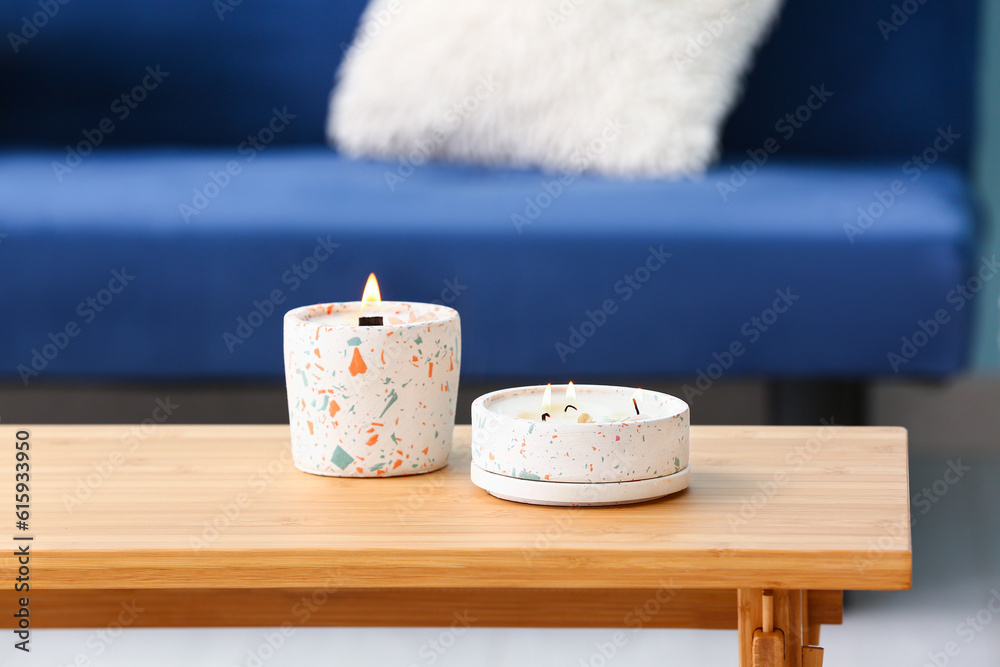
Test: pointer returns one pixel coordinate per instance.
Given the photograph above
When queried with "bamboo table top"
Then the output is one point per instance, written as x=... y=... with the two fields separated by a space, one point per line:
x=199 y=507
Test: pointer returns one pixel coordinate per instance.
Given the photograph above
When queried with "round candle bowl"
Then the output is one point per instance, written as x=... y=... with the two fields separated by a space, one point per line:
x=570 y=463
x=371 y=401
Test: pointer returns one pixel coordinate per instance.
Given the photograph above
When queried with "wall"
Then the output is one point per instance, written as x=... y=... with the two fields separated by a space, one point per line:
x=986 y=355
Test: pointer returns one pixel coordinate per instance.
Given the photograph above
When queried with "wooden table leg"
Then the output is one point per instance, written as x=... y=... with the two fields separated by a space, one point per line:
x=787 y=618
x=809 y=628
x=812 y=655
x=749 y=618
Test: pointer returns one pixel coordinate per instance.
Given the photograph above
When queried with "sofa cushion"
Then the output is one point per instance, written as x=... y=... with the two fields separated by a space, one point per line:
x=228 y=64
x=898 y=71
x=605 y=87
x=232 y=61
x=168 y=265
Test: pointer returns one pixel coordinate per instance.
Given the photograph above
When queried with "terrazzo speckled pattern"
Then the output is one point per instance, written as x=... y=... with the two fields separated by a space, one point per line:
x=372 y=401
x=556 y=461
x=653 y=444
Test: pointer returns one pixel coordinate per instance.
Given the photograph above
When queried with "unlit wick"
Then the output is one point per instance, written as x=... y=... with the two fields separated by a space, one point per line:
x=636 y=405
x=374 y=321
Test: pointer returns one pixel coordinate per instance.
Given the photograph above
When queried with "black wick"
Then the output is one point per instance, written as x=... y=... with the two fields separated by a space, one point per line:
x=636 y=406
x=568 y=407
x=544 y=415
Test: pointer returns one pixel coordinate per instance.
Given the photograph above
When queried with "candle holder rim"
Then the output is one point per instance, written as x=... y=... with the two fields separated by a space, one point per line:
x=297 y=315
x=482 y=401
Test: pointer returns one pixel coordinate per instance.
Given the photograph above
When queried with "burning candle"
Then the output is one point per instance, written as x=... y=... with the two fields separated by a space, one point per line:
x=598 y=445
x=372 y=385
x=573 y=409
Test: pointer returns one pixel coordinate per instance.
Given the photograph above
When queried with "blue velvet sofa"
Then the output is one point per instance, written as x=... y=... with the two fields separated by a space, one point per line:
x=166 y=194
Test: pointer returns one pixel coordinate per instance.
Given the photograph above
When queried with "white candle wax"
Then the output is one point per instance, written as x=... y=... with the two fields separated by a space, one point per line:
x=394 y=313
x=600 y=408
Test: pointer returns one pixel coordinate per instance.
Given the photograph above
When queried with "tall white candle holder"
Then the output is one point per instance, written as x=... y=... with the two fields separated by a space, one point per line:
x=372 y=401
x=617 y=457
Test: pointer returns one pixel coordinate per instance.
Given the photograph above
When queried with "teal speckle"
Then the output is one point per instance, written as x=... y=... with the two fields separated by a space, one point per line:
x=326 y=402
x=531 y=427
x=377 y=466
x=393 y=397
x=305 y=380
x=418 y=340
x=354 y=341
x=392 y=436
x=340 y=458
x=677 y=462
x=524 y=474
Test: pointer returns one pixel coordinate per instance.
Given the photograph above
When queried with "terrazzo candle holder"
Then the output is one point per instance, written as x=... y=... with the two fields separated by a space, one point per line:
x=372 y=401
x=518 y=456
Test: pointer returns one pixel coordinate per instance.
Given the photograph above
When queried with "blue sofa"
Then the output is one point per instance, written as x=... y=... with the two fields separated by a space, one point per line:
x=166 y=194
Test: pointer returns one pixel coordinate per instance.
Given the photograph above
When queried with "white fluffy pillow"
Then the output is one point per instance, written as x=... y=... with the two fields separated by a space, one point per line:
x=624 y=87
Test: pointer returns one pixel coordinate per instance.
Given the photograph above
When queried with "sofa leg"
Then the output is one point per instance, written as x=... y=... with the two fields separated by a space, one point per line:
x=800 y=402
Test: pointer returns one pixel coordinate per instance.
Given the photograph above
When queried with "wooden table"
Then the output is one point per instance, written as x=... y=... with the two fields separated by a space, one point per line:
x=213 y=526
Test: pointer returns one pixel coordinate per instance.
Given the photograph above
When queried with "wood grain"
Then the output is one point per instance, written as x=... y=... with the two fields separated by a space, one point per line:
x=430 y=607
x=218 y=507
x=788 y=619
x=750 y=617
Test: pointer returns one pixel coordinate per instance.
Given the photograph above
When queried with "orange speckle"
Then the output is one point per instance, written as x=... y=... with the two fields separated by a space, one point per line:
x=329 y=309
x=451 y=362
x=316 y=352
x=334 y=408
x=397 y=464
x=426 y=449
x=372 y=440
x=376 y=424
x=379 y=472
x=357 y=366
x=383 y=357
x=371 y=430
x=310 y=427
x=430 y=369
x=361 y=470
x=492 y=458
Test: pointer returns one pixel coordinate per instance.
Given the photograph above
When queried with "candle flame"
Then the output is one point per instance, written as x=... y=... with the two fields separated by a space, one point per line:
x=570 y=392
x=547 y=398
x=371 y=294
